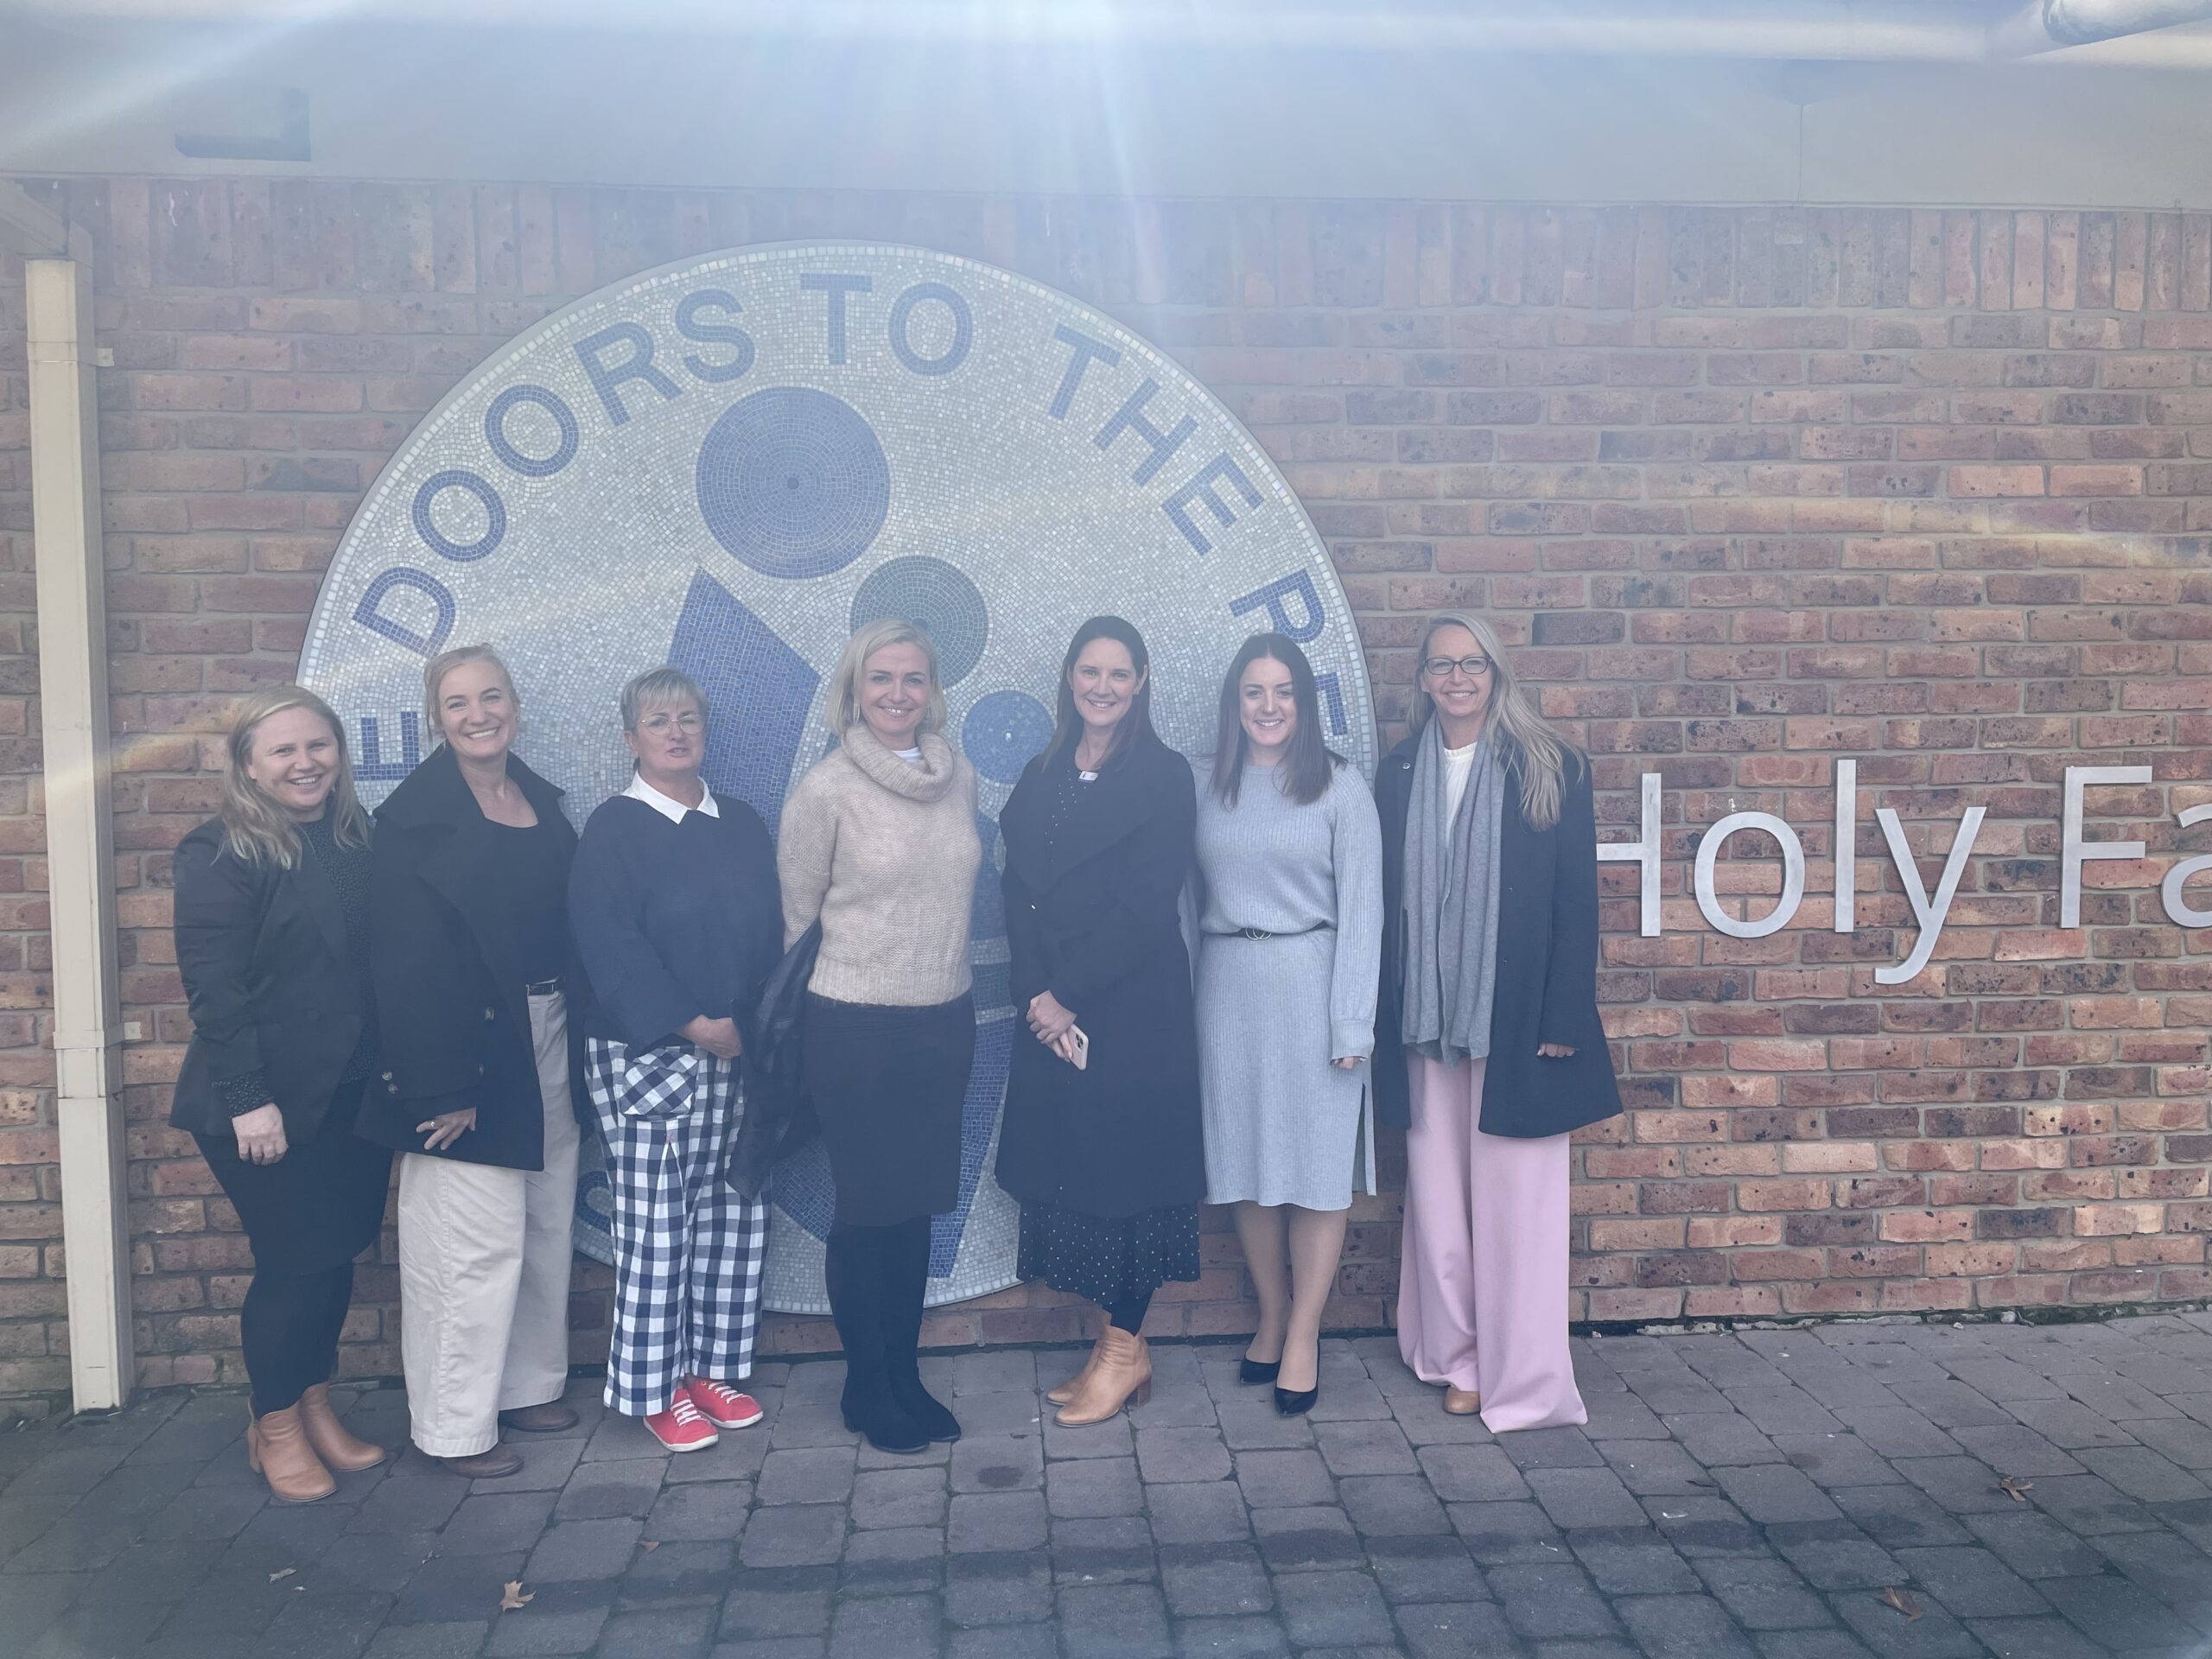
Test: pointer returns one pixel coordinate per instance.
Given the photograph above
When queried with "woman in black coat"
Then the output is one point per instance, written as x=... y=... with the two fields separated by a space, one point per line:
x=475 y=974
x=272 y=943
x=1489 y=966
x=1106 y=1156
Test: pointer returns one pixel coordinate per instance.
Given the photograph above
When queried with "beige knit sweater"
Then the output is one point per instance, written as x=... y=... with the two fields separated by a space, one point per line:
x=885 y=852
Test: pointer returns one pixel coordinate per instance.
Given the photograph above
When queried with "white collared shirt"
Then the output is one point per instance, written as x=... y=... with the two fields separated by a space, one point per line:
x=667 y=806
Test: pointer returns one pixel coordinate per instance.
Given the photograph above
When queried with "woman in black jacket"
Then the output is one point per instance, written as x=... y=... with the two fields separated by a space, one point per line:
x=272 y=943
x=1106 y=1156
x=1490 y=981
x=481 y=1091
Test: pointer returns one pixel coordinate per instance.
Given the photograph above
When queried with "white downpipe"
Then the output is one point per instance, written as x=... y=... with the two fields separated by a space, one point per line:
x=80 y=836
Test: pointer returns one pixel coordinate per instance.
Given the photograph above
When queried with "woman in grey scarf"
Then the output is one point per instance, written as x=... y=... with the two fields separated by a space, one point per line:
x=1490 y=961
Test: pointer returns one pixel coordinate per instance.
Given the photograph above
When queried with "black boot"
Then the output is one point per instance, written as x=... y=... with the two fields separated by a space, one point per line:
x=852 y=1271
x=905 y=1282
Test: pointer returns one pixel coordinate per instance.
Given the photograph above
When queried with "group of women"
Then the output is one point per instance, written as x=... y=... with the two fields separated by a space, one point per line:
x=465 y=982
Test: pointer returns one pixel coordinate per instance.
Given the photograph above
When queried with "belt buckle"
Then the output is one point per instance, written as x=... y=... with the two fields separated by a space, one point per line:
x=1255 y=933
x=542 y=987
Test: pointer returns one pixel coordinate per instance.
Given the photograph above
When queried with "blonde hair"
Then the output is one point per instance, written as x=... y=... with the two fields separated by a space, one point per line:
x=845 y=704
x=659 y=688
x=1542 y=753
x=257 y=830
x=434 y=676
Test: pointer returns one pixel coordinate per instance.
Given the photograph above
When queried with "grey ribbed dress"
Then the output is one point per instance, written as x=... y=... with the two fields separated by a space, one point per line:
x=1282 y=1125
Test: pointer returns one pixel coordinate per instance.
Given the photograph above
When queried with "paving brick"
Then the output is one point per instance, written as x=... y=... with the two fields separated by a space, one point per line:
x=679 y=1573
x=1197 y=1513
x=899 y=1497
x=992 y=1641
x=706 y=1511
x=1584 y=1497
x=1364 y=1448
x=998 y=1589
x=1973 y=1583
x=452 y=1588
x=1214 y=1580
x=1231 y=1638
x=991 y=1522
x=1764 y=1592
x=998 y=1462
x=1632 y=1560
x=806 y=1475
x=1443 y=1630
x=1420 y=1569
x=1720 y=1438
x=1093 y=1486
x=1962 y=1485
x=1551 y=1600
x=794 y=1535
x=893 y=1561
x=1181 y=1453
x=1650 y=1468
x=1113 y=1621
x=2143 y=1474
x=779 y=1602
x=560 y=1618
x=1835 y=1556
x=1551 y=1448
x=1705 y=1526
x=1690 y=1627
x=1252 y=1426
x=2035 y=1638
x=2085 y=1504
x=1899 y=1514
x=1332 y=1609
x=1291 y=1539
x=1934 y=1634
x=497 y=1522
x=585 y=1549
x=667 y=1633
x=2069 y=1424
x=1472 y=1474
x=1106 y=1549
x=1767 y=1492
x=886 y=1627
x=1392 y=1505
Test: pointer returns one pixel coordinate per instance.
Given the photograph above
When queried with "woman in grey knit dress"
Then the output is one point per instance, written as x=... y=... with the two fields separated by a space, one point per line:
x=1290 y=859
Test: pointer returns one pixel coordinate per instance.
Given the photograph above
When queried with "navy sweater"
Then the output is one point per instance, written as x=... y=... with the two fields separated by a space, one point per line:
x=673 y=920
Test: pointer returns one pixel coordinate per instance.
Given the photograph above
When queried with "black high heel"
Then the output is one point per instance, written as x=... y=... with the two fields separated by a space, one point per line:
x=1258 y=1370
x=1296 y=1403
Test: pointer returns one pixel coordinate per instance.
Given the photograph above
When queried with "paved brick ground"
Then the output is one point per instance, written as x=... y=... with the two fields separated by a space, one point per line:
x=1752 y=1495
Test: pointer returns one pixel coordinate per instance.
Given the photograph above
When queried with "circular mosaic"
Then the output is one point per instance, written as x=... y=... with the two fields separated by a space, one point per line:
x=729 y=463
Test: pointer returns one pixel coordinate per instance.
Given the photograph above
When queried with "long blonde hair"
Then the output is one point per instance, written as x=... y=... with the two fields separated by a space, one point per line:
x=255 y=829
x=1542 y=752
x=433 y=677
x=843 y=709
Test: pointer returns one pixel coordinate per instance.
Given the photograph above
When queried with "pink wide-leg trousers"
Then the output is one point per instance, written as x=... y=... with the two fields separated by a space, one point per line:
x=1482 y=1287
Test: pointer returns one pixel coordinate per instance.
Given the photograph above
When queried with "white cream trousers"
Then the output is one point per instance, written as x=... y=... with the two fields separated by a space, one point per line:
x=484 y=1258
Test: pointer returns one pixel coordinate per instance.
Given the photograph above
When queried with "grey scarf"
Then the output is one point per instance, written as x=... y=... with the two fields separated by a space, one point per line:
x=1451 y=905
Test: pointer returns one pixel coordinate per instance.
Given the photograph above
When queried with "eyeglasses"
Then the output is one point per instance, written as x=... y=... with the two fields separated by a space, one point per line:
x=1439 y=668
x=660 y=725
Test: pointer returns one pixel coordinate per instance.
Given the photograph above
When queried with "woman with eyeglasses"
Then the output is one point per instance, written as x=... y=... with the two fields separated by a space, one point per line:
x=1490 y=981
x=674 y=901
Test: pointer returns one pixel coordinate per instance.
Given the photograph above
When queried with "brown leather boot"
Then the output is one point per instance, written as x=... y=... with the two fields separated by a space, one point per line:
x=1073 y=1386
x=276 y=1449
x=1123 y=1373
x=338 y=1448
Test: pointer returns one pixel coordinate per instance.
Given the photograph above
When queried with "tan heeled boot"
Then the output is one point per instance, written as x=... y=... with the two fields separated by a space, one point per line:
x=336 y=1447
x=1073 y=1386
x=1123 y=1373
x=276 y=1449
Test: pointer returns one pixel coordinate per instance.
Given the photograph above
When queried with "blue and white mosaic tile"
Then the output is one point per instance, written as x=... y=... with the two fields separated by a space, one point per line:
x=729 y=463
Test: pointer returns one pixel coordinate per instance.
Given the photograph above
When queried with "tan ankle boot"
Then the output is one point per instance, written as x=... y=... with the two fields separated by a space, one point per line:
x=1123 y=1373
x=332 y=1443
x=276 y=1449
x=1073 y=1386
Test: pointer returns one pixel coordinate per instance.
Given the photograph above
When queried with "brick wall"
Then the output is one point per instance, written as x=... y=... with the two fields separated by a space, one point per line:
x=1754 y=489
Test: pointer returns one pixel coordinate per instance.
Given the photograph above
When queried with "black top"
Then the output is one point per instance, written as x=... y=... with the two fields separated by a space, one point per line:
x=534 y=870
x=1547 y=962
x=272 y=973
x=448 y=952
x=674 y=920
x=1093 y=872
x=348 y=870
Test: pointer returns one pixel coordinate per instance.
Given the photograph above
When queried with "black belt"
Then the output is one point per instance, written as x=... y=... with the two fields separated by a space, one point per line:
x=542 y=987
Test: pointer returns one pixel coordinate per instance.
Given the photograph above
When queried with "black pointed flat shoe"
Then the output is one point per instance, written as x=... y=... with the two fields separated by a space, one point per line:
x=1297 y=1402
x=1256 y=1371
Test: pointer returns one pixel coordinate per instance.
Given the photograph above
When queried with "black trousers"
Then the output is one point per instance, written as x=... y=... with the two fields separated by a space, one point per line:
x=289 y=1327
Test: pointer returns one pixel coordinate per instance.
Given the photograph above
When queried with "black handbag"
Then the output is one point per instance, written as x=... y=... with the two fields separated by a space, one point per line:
x=778 y=1117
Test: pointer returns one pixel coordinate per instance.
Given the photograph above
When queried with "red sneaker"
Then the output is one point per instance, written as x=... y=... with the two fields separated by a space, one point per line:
x=680 y=1428
x=722 y=1405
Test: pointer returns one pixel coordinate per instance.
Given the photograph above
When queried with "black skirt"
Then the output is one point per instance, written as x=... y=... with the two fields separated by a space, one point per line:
x=1108 y=1259
x=889 y=1084
x=318 y=1206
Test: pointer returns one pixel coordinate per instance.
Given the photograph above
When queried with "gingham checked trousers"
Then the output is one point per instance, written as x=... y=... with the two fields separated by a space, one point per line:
x=687 y=1247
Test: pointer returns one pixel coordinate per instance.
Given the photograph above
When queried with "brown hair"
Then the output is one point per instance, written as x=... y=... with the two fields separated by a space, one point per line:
x=1310 y=765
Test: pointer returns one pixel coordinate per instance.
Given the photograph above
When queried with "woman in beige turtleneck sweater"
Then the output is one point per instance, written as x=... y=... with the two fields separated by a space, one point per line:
x=878 y=844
